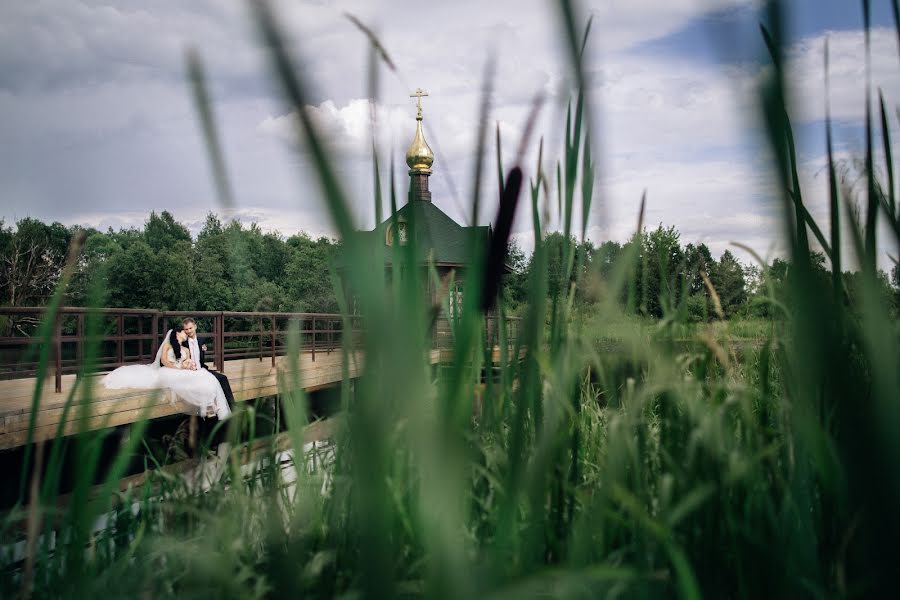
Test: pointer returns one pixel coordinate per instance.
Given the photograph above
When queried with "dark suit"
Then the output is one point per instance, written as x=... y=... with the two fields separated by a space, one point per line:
x=221 y=377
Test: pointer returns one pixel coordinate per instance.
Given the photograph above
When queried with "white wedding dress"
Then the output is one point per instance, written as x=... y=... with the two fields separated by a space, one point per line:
x=198 y=390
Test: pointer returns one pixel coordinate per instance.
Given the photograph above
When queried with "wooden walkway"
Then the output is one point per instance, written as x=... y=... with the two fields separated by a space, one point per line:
x=250 y=379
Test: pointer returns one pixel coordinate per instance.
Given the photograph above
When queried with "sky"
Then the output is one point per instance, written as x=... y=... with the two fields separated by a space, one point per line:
x=97 y=126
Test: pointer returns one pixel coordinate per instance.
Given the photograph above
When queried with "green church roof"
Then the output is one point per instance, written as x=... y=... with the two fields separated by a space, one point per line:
x=438 y=237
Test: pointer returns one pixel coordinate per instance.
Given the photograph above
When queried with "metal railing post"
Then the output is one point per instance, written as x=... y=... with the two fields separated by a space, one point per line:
x=314 y=339
x=120 y=341
x=220 y=343
x=79 y=344
x=154 y=334
x=273 y=340
x=140 y=323
x=57 y=350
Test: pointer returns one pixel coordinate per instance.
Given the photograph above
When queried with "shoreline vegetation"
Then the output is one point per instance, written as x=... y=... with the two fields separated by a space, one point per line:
x=659 y=469
x=161 y=266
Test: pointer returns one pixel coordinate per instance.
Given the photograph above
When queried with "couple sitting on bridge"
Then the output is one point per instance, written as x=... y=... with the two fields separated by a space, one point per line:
x=180 y=367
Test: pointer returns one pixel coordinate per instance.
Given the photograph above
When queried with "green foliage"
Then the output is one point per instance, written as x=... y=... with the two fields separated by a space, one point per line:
x=135 y=277
x=697 y=260
x=605 y=258
x=515 y=283
x=307 y=289
x=163 y=232
x=31 y=261
x=228 y=267
x=235 y=267
x=559 y=278
x=698 y=308
x=728 y=279
x=658 y=278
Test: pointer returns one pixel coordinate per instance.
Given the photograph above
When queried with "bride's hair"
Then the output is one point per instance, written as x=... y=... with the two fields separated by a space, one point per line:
x=173 y=341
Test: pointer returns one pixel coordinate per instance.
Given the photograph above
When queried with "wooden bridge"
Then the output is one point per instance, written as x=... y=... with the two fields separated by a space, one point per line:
x=249 y=347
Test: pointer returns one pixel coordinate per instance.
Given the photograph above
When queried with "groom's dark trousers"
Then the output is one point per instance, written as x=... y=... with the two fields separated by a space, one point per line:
x=221 y=377
x=207 y=424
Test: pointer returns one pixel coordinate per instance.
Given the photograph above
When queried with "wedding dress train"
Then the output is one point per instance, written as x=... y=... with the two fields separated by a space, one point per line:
x=199 y=391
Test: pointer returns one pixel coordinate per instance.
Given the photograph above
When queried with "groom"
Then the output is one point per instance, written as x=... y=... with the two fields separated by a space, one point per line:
x=198 y=352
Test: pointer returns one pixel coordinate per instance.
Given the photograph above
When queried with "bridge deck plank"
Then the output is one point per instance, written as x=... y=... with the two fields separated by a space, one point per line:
x=102 y=408
x=249 y=378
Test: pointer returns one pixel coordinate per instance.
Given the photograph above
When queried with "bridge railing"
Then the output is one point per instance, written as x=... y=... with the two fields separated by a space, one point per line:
x=132 y=336
x=442 y=335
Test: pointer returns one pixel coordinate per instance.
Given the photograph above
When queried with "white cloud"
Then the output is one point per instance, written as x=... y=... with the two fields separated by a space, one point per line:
x=805 y=71
x=347 y=128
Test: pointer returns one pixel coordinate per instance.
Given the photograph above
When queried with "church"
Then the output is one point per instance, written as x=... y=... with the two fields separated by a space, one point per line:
x=439 y=240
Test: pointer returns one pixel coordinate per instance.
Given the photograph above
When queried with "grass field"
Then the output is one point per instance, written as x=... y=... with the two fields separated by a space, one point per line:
x=733 y=459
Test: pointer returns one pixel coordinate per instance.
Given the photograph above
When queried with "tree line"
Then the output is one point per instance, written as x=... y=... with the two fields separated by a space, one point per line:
x=663 y=278
x=239 y=267
x=228 y=266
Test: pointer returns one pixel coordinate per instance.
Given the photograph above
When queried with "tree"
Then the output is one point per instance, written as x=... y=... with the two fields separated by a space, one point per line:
x=855 y=284
x=308 y=275
x=555 y=246
x=163 y=231
x=176 y=277
x=211 y=227
x=727 y=277
x=271 y=257
x=263 y=296
x=134 y=277
x=97 y=250
x=515 y=282
x=237 y=256
x=697 y=259
x=605 y=258
x=659 y=273
x=212 y=292
x=126 y=237
x=214 y=272
x=771 y=284
x=32 y=259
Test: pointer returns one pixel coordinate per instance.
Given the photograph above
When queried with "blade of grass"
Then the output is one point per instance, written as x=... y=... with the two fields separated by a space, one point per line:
x=295 y=92
x=895 y=6
x=484 y=110
x=46 y=335
x=203 y=106
x=871 y=192
x=834 y=209
x=500 y=182
x=888 y=158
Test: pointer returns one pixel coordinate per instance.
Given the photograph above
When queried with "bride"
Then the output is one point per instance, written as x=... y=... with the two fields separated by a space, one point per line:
x=172 y=369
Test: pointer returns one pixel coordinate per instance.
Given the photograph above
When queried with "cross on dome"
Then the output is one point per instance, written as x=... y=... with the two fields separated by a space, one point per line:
x=418 y=96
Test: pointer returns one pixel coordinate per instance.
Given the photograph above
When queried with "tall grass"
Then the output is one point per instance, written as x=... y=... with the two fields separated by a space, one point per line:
x=655 y=468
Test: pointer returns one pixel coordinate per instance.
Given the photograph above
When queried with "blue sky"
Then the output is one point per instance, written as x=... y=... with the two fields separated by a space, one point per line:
x=99 y=128
x=732 y=34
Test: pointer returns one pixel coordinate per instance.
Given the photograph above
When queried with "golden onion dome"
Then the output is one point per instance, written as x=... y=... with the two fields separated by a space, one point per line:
x=419 y=156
